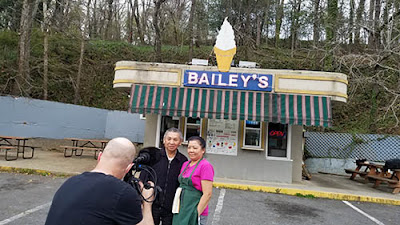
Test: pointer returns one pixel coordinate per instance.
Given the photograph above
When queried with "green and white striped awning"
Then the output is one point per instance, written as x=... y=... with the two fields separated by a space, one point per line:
x=231 y=105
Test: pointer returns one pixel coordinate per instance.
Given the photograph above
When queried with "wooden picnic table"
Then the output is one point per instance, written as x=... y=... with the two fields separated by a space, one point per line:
x=363 y=169
x=9 y=143
x=390 y=177
x=80 y=144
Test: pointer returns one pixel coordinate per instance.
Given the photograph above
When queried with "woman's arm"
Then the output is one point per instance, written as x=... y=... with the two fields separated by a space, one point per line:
x=206 y=186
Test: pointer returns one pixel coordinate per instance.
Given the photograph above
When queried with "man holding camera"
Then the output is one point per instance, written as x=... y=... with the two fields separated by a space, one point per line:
x=100 y=196
x=167 y=171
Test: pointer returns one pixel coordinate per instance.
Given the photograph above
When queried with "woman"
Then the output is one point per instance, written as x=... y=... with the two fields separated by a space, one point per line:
x=196 y=179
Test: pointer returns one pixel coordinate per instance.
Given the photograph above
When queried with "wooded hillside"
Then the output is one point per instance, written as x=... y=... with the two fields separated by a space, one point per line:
x=65 y=50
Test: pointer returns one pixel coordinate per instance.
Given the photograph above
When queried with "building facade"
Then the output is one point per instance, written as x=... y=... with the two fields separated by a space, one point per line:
x=252 y=119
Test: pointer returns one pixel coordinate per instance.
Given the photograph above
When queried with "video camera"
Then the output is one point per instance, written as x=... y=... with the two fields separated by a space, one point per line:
x=147 y=157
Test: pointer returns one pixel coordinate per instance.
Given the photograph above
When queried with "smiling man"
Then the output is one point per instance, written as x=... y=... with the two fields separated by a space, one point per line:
x=167 y=170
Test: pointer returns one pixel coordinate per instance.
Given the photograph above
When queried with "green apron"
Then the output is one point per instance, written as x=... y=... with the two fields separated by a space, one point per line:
x=190 y=198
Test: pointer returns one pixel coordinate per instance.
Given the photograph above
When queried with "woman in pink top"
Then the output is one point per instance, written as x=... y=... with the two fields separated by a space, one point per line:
x=196 y=180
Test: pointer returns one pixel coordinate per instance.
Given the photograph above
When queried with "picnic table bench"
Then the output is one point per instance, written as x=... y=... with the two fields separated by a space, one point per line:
x=7 y=149
x=364 y=169
x=10 y=143
x=391 y=178
x=79 y=145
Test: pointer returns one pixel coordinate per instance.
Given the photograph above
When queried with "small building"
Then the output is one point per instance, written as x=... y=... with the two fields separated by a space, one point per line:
x=252 y=119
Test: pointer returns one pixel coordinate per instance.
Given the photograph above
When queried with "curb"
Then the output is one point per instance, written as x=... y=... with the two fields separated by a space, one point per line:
x=34 y=171
x=308 y=193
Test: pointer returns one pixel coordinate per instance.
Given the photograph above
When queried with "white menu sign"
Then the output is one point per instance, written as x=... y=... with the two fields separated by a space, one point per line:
x=222 y=136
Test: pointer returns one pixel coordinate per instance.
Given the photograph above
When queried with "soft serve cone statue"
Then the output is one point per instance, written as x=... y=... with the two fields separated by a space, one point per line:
x=225 y=47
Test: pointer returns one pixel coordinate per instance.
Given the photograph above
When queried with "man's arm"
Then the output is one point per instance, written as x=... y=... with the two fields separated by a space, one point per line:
x=146 y=206
x=147 y=215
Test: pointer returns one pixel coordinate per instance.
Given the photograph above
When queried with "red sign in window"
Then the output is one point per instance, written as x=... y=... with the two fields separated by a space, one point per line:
x=276 y=133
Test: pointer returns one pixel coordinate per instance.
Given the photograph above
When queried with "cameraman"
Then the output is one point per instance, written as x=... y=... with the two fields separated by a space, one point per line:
x=100 y=196
x=167 y=170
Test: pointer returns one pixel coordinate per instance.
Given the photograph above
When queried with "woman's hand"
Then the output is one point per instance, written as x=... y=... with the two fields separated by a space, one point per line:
x=206 y=186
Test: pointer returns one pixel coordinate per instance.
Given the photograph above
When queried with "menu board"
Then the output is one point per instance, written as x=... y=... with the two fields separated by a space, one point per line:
x=222 y=136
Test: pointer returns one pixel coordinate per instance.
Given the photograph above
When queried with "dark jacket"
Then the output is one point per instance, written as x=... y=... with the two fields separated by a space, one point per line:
x=167 y=179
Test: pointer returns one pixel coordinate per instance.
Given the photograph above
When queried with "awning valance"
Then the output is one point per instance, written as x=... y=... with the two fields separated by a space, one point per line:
x=231 y=105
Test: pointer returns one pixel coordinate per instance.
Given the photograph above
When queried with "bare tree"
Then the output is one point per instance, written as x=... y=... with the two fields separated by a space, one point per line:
x=266 y=13
x=247 y=29
x=296 y=6
x=129 y=22
x=396 y=23
x=22 y=83
x=93 y=31
x=331 y=25
x=116 y=29
x=178 y=22
x=156 y=24
x=278 y=21
x=371 y=23
x=45 y=50
x=351 y=22
x=61 y=16
x=388 y=31
x=202 y=26
x=84 y=33
x=359 y=19
x=191 y=33
x=108 y=21
x=316 y=22
x=259 y=28
x=376 y=31
x=379 y=81
x=146 y=14
x=134 y=5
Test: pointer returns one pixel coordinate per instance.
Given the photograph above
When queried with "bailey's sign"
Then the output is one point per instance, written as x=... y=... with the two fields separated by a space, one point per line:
x=242 y=81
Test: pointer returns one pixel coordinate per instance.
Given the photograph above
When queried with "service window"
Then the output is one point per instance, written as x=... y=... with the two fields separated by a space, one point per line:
x=192 y=128
x=277 y=140
x=252 y=134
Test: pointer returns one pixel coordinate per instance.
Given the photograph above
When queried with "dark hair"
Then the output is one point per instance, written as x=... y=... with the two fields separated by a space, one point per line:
x=201 y=141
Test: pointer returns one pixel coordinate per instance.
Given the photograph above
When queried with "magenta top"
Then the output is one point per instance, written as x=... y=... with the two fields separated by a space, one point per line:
x=204 y=171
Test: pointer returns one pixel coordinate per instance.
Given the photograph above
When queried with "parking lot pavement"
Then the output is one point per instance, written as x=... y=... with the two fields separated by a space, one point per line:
x=25 y=199
x=243 y=207
x=321 y=185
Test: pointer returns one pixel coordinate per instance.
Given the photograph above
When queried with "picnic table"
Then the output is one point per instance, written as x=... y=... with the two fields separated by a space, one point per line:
x=364 y=169
x=10 y=143
x=390 y=177
x=78 y=145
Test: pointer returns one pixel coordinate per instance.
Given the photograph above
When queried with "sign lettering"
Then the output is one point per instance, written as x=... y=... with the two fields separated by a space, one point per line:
x=276 y=133
x=242 y=81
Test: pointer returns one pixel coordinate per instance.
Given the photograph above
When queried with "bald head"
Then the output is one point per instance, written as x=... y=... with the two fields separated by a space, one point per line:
x=120 y=151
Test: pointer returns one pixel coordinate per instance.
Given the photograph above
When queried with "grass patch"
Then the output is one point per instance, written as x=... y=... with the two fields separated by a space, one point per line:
x=305 y=196
x=34 y=172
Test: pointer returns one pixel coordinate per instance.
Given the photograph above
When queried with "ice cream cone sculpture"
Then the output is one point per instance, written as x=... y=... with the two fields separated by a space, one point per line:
x=225 y=47
x=224 y=58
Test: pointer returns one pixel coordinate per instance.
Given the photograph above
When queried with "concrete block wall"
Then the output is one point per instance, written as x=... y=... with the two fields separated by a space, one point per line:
x=52 y=120
x=329 y=165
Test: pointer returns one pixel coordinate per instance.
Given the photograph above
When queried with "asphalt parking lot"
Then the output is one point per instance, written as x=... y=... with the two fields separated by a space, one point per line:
x=25 y=199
